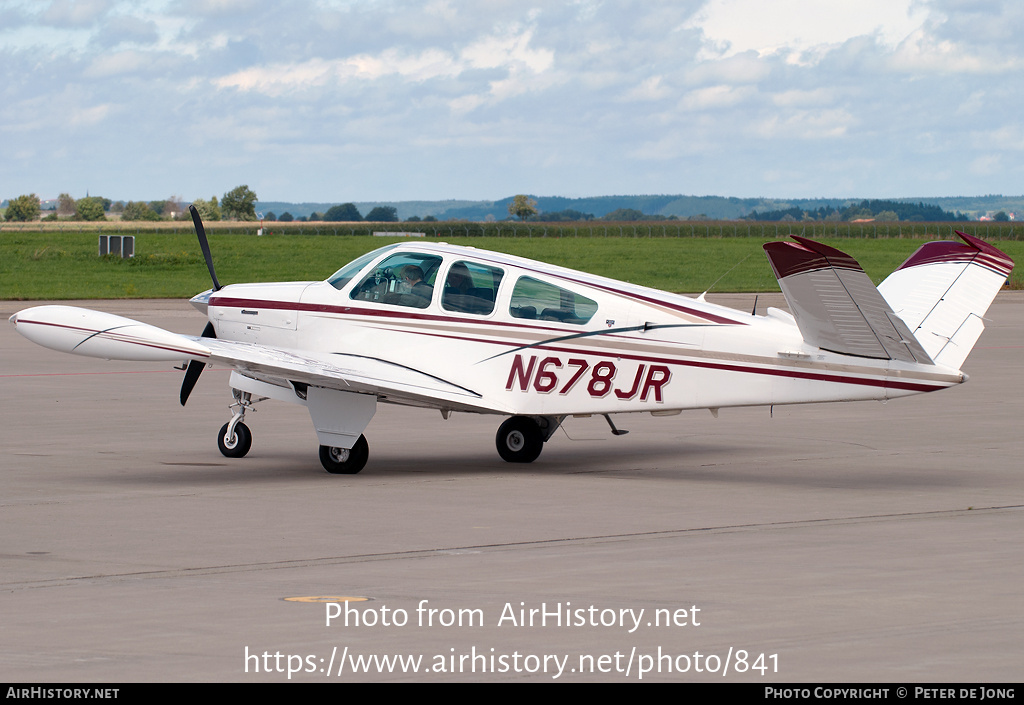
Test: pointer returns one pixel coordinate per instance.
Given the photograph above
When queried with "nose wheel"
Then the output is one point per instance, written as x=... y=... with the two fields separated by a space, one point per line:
x=234 y=444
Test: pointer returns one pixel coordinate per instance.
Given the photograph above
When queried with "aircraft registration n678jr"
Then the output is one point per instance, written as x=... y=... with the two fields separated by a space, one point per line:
x=459 y=329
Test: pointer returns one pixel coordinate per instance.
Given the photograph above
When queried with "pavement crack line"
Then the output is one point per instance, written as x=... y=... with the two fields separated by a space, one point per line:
x=456 y=551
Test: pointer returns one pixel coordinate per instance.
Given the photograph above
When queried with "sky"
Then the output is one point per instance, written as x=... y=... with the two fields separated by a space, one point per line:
x=388 y=100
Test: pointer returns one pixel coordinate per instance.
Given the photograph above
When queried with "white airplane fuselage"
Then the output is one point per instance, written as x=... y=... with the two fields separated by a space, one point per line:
x=642 y=350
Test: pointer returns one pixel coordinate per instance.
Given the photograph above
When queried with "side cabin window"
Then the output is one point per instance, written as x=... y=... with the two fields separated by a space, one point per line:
x=471 y=288
x=540 y=301
x=403 y=279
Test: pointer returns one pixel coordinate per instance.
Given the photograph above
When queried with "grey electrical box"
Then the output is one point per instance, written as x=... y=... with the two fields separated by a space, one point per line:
x=121 y=245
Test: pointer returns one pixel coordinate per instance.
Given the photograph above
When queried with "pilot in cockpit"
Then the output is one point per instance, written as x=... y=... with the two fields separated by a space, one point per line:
x=412 y=276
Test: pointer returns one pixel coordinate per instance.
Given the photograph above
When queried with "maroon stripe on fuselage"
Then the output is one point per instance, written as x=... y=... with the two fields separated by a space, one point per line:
x=356 y=311
x=229 y=302
x=777 y=372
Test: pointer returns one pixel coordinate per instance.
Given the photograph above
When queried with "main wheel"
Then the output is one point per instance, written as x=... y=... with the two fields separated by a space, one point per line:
x=339 y=461
x=238 y=446
x=519 y=440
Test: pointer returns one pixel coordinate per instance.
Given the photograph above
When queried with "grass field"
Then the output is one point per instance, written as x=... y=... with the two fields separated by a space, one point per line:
x=65 y=265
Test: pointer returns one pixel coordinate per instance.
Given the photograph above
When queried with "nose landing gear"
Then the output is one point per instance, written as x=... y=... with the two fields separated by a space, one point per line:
x=235 y=438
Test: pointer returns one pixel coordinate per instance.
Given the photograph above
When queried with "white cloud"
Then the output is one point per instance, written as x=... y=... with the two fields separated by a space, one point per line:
x=715 y=97
x=512 y=49
x=796 y=28
x=796 y=98
x=74 y=13
x=120 y=62
x=586 y=96
x=89 y=116
x=806 y=125
x=737 y=69
x=510 y=53
x=649 y=89
x=986 y=165
x=921 y=52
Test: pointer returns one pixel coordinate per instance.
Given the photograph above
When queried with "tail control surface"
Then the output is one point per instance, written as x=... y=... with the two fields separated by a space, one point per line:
x=836 y=306
x=943 y=291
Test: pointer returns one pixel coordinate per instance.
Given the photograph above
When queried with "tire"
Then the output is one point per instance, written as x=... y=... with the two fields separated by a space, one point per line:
x=239 y=445
x=519 y=440
x=339 y=461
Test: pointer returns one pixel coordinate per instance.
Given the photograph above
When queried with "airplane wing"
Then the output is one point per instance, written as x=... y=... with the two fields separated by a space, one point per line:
x=345 y=372
x=96 y=334
x=836 y=306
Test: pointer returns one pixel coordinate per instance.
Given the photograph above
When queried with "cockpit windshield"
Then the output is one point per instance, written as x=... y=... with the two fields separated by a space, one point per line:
x=403 y=279
x=344 y=275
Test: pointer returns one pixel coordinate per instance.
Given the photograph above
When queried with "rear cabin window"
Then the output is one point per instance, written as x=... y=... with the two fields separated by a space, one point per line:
x=536 y=300
x=403 y=279
x=471 y=288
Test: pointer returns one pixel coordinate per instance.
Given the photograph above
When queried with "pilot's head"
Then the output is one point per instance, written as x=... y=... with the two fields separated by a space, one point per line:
x=412 y=274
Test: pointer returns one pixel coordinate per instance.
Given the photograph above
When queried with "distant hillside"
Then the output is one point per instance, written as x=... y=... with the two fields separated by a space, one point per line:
x=406 y=209
x=901 y=211
x=681 y=206
x=976 y=206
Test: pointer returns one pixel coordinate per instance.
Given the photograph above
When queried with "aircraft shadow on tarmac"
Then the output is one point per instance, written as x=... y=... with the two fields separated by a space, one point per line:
x=728 y=462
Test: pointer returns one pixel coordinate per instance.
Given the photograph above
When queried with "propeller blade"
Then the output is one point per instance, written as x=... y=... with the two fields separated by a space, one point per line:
x=205 y=246
x=195 y=368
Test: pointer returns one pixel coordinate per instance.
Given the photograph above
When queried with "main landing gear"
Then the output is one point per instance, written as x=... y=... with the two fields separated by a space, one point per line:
x=235 y=440
x=341 y=461
x=520 y=439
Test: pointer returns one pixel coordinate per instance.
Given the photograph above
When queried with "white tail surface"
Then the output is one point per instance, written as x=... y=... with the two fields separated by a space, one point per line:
x=835 y=304
x=942 y=293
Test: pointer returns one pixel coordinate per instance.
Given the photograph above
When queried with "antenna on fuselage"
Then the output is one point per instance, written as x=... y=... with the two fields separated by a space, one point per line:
x=701 y=297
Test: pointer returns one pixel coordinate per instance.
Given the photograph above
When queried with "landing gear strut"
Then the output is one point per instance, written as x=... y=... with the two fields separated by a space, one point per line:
x=235 y=438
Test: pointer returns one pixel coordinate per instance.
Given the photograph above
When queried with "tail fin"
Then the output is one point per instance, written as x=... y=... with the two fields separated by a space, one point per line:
x=836 y=306
x=942 y=292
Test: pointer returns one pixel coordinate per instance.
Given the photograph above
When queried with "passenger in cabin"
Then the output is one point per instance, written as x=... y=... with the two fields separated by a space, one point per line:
x=459 y=279
x=457 y=288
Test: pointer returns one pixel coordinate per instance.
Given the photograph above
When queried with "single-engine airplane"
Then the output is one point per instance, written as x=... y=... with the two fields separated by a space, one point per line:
x=459 y=329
